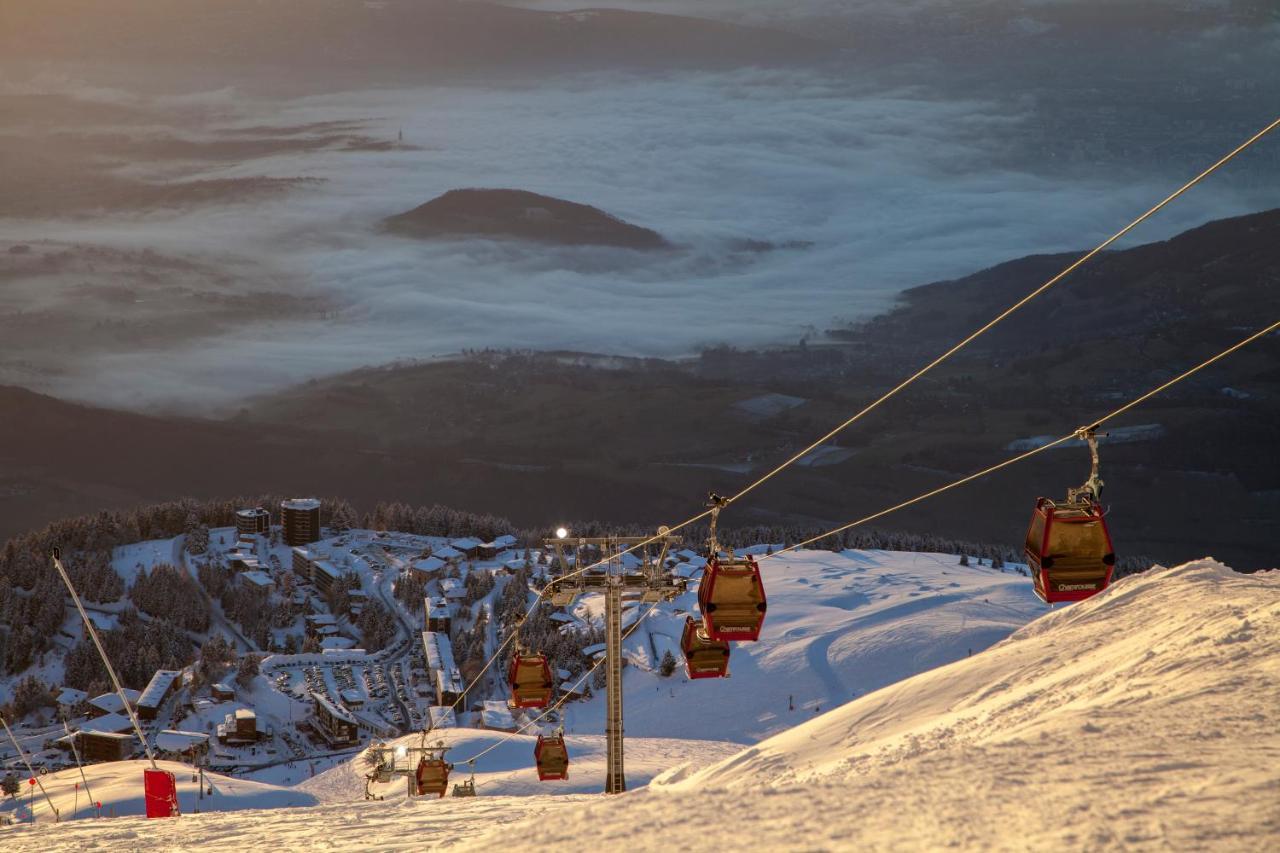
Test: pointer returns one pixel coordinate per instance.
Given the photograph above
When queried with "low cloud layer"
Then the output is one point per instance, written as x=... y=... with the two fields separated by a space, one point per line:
x=891 y=188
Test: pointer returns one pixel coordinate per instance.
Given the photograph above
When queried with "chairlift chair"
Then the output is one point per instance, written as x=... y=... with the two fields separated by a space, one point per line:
x=432 y=776
x=552 y=757
x=731 y=594
x=732 y=599
x=529 y=676
x=703 y=657
x=1068 y=547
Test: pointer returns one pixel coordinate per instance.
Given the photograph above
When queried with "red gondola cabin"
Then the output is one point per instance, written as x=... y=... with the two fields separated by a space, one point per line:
x=552 y=757
x=530 y=678
x=433 y=777
x=1069 y=551
x=703 y=657
x=731 y=597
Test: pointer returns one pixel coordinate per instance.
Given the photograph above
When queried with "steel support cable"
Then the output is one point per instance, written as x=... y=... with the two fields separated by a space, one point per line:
x=1083 y=259
x=1006 y=463
x=1035 y=451
x=796 y=457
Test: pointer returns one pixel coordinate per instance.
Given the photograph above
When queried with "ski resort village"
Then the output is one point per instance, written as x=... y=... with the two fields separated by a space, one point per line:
x=337 y=682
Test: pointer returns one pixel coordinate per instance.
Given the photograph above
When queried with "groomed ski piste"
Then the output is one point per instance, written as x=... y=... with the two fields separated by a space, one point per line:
x=1145 y=717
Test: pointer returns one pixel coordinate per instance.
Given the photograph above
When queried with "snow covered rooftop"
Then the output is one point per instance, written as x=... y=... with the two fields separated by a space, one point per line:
x=337 y=712
x=110 y=702
x=337 y=643
x=327 y=568
x=158 y=687
x=71 y=696
x=115 y=722
x=301 y=504
x=174 y=740
x=467 y=543
x=258 y=579
x=442 y=717
x=503 y=541
x=496 y=715
x=430 y=564
x=446 y=552
x=439 y=653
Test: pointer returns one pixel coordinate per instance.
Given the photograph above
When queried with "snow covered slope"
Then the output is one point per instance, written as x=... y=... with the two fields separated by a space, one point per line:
x=343 y=820
x=839 y=626
x=508 y=770
x=1146 y=717
x=118 y=786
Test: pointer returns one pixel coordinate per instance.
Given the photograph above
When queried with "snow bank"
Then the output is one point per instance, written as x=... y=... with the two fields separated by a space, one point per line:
x=1146 y=717
x=118 y=786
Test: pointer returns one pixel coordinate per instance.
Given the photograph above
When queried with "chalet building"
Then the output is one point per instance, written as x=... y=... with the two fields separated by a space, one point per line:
x=300 y=520
x=325 y=575
x=453 y=589
x=118 y=723
x=239 y=727
x=160 y=688
x=469 y=546
x=336 y=725
x=223 y=692
x=439 y=615
x=252 y=522
x=71 y=701
x=258 y=580
x=317 y=622
x=491 y=550
x=182 y=746
x=448 y=554
x=442 y=718
x=238 y=561
x=301 y=562
x=109 y=703
x=95 y=746
x=442 y=672
x=358 y=599
x=427 y=569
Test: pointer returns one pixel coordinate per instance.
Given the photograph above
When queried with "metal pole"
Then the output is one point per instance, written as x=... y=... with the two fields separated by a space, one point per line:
x=111 y=671
x=615 y=779
x=23 y=754
x=76 y=752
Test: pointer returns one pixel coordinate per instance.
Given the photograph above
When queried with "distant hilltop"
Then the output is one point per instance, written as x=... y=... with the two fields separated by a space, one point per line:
x=522 y=215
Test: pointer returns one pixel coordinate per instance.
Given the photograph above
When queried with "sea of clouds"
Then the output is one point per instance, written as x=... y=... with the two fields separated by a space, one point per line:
x=891 y=188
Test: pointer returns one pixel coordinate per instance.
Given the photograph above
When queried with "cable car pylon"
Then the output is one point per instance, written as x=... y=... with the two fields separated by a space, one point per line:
x=652 y=580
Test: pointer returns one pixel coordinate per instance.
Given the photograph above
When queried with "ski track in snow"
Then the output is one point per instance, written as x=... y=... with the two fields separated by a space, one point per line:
x=1145 y=718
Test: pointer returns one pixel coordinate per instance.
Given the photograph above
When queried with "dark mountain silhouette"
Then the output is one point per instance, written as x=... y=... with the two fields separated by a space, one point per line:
x=292 y=44
x=521 y=215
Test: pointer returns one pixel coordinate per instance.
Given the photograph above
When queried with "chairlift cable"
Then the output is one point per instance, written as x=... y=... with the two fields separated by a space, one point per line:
x=796 y=457
x=1034 y=451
